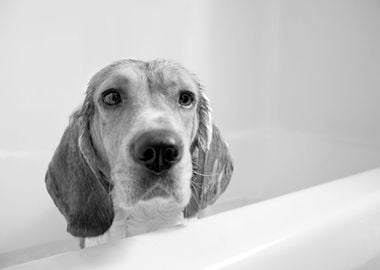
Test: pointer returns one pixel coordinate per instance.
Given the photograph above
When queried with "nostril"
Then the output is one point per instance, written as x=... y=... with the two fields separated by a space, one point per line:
x=170 y=154
x=148 y=155
x=157 y=150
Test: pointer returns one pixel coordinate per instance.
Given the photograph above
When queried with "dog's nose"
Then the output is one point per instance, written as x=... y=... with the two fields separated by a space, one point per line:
x=157 y=150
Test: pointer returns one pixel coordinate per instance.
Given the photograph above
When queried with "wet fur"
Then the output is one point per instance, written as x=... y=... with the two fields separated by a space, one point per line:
x=81 y=184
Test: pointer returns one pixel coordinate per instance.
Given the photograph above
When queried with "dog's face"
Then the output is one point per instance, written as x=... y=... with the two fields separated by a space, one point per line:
x=144 y=123
x=144 y=131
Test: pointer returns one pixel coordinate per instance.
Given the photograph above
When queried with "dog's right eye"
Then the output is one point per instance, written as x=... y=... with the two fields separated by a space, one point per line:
x=111 y=97
x=186 y=99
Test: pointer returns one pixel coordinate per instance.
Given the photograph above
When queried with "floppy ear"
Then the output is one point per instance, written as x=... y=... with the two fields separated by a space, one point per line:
x=212 y=163
x=78 y=188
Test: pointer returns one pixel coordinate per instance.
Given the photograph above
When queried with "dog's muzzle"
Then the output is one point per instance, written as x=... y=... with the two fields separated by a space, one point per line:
x=157 y=150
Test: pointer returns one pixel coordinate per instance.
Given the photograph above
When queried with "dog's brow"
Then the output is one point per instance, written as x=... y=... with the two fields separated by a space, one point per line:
x=116 y=80
x=123 y=77
x=169 y=79
x=171 y=86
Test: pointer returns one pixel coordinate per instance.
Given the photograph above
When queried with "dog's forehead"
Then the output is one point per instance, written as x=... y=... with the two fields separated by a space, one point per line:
x=126 y=74
x=169 y=74
x=160 y=74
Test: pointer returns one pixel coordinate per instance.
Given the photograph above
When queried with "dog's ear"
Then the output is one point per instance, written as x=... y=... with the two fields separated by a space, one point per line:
x=78 y=188
x=212 y=163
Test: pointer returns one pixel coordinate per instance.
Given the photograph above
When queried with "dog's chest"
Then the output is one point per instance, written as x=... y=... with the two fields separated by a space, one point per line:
x=146 y=216
x=143 y=217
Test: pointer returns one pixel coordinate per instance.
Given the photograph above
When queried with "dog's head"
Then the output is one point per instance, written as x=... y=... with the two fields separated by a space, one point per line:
x=146 y=128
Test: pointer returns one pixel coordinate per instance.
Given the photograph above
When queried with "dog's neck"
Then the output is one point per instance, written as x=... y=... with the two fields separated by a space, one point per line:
x=148 y=216
x=143 y=217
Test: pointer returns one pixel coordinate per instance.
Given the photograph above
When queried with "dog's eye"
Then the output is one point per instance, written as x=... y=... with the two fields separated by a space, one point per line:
x=186 y=99
x=111 y=97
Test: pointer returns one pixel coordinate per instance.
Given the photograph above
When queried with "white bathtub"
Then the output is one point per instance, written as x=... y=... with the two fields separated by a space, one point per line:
x=290 y=232
x=335 y=225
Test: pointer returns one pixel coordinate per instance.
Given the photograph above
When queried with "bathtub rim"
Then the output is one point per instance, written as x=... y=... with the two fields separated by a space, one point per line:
x=305 y=221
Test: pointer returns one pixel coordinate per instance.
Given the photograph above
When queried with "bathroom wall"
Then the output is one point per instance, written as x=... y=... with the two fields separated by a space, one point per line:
x=328 y=69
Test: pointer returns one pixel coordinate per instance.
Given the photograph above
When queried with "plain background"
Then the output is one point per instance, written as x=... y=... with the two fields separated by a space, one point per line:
x=302 y=65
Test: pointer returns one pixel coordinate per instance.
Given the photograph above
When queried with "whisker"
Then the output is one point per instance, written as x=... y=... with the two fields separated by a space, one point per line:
x=195 y=195
x=195 y=200
x=198 y=185
x=201 y=174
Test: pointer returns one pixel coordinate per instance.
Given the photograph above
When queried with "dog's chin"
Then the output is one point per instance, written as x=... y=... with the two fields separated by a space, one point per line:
x=177 y=197
x=156 y=192
x=142 y=186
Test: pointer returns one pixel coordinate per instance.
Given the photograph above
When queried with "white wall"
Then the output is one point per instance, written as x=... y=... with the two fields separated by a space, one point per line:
x=329 y=68
x=303 y=65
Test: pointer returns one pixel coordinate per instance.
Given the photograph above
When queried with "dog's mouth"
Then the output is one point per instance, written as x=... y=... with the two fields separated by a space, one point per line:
x=139 y=185
x=156 y=191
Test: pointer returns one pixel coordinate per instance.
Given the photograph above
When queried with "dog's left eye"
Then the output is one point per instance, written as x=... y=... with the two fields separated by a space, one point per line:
x=186 y=99
x=111 y=97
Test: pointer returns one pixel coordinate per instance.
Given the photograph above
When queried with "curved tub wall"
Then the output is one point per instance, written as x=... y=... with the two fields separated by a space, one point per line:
x=332 y=226
x=293 y=84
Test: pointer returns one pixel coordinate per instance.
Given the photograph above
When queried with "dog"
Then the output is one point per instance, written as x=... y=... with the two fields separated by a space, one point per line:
x=141 y=153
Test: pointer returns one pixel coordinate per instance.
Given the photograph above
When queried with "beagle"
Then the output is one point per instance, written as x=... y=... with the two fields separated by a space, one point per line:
x=140 y=154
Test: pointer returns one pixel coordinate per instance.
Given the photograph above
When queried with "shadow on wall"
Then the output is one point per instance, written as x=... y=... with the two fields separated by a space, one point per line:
x=47 y=228
x=29 y=216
